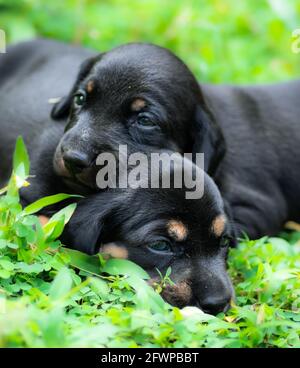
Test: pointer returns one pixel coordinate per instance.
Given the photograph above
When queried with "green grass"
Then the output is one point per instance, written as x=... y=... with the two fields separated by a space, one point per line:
x=51 y=296
x=221 y=40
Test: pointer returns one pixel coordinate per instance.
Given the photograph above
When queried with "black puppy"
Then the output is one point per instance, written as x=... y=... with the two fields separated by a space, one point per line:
x=156 y=228
x=143 y=96
x=139 y=95
x=160 y=228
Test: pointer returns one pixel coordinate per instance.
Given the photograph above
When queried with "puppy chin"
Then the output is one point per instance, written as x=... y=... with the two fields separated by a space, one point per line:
x=88 y=178
x=76 y=187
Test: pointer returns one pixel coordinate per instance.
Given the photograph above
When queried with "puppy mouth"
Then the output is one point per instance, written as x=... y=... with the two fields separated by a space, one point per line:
x=87 y=178
x=60 y=167
x=76 y=186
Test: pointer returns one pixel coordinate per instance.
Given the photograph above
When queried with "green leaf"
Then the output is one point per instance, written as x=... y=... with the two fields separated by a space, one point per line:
x=21 y=230
x=3 y=243
x=54 y=227
x=3 y=190
x=168 y=272
x=21 y=163
x=146 y=296
x=4 y=274
x=61 y=285
x=66 y=212
x=12 y=246
x=47 y=201
x=29 y=268
x=124 y=267
x=52 y=328
x=100 y=287
x=20 y=169
x=83 y=261
x=6 y=265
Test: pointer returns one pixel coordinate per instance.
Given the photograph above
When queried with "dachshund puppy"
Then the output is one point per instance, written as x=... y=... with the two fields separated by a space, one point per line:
x=160 y=228
x=139 y=95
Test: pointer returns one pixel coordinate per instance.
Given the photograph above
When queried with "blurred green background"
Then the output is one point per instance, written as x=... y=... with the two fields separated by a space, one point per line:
x=221 y=40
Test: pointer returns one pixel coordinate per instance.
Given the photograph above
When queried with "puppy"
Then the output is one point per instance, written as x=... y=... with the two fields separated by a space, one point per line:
x=156 y=228
x=160 y=228
x=138 y=95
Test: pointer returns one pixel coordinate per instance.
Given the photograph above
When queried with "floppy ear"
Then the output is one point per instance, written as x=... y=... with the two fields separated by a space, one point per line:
x=62 y=108
x=208 y=139
x=90 y=222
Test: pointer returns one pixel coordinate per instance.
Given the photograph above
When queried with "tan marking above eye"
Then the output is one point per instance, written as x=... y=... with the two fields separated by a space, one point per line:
x=218 y=225
x=90 y=86
x=177 y=230
x=114 y=250
x=138 y=104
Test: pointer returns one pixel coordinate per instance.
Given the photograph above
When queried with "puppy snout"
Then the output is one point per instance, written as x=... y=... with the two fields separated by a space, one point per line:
x=215 y=304
x=76 y=161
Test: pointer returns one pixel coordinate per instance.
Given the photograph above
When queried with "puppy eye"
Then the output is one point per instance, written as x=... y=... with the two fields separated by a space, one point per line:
x=80 y=98
x=145 y=121
x=160 y=247
x=225 y=241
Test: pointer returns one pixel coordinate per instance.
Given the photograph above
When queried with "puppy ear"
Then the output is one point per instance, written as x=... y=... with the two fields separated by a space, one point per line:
x=89 y=224
x=208 y=139
x=62 y=109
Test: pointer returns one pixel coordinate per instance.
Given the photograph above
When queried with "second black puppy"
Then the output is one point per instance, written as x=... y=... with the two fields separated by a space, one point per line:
x=160 y=228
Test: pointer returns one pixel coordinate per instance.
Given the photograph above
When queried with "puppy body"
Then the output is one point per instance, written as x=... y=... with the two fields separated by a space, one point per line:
x=259 y=175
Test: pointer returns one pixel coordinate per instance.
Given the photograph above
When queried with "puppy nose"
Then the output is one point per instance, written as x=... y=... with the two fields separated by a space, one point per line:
x=215 y=305
x=76 y=161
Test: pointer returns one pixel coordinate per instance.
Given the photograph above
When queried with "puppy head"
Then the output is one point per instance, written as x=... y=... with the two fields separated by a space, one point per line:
x=140 y=95
x=160 y=228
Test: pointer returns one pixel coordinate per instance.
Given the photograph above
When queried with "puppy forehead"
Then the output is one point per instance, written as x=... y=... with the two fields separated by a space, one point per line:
x=218 y=225
x=177 y=230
